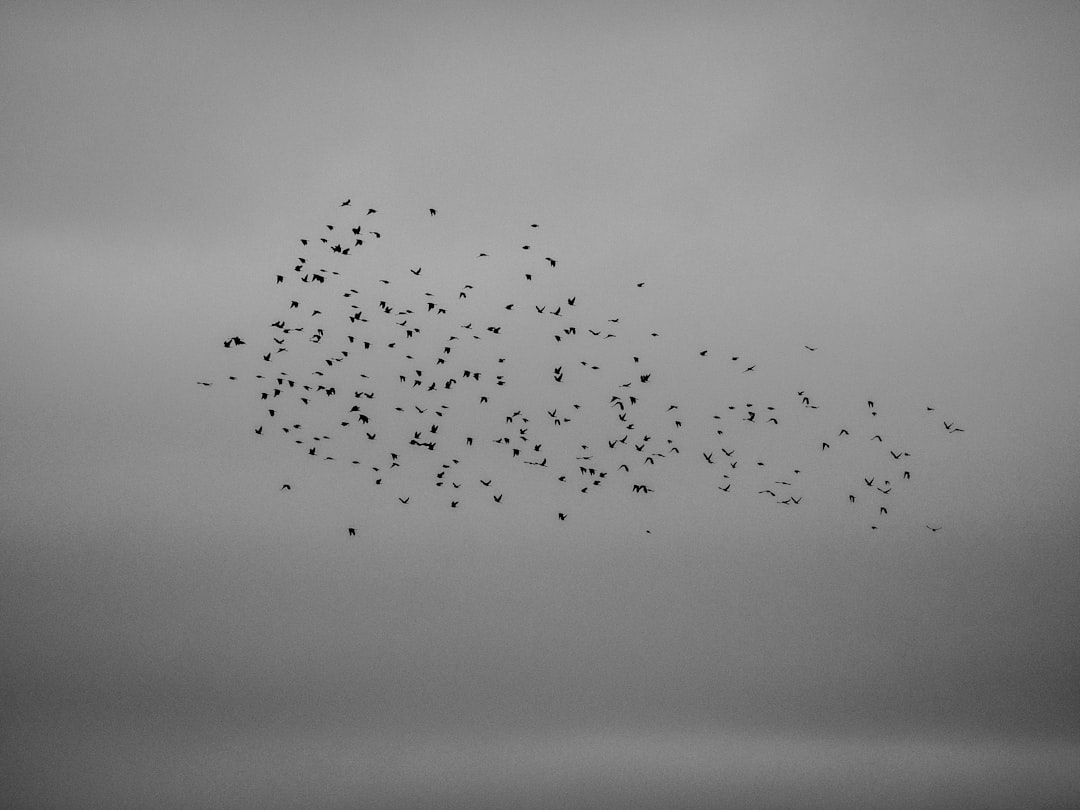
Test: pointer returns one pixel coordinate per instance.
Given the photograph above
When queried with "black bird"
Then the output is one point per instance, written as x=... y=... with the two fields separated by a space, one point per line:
x=813 y=349
x=404 y=500
x=347 y=202
x=498 y=498
x=431 y=212
x=286 y=486
x=931 y=528
x=352 y=532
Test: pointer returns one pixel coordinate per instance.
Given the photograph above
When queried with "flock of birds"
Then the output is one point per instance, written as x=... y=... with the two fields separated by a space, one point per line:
x=401 y=372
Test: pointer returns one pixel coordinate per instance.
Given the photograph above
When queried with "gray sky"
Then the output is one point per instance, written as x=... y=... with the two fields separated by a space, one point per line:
x=897 y=186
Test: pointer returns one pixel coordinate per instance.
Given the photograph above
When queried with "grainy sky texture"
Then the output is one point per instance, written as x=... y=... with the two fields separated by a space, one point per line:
x=896 y=185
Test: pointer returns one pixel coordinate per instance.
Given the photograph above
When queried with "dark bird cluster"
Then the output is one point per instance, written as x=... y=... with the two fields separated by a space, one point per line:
x=399 y=372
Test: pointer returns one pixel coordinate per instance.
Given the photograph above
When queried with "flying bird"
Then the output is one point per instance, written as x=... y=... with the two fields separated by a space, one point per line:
x=392 y=332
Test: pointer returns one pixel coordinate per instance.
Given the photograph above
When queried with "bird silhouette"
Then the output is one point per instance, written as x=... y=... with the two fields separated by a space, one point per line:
x=455 y=384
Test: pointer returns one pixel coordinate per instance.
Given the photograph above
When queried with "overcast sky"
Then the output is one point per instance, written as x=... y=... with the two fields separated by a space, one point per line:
x=896 y=185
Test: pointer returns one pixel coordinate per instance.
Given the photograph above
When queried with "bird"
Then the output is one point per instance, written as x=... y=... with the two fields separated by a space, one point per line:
x=393 y=333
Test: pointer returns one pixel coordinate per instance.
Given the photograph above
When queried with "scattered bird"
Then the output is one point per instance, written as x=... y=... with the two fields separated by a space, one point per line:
x=455 y=382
